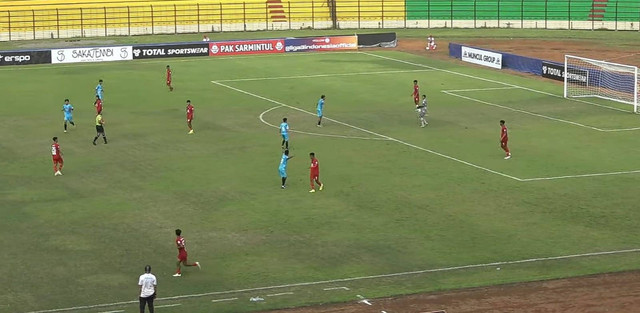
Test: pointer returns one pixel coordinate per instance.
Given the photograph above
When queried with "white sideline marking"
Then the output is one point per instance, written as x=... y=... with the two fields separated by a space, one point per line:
x=492 y=81
x=372 y=133
x=167 y=305
x=223 y=300
x=321 y=75
x=581 y=175
x=280 y=294
x=443 y=269
x=309 y=133
x=116 y=311
x=182 y=59
x=336 y=288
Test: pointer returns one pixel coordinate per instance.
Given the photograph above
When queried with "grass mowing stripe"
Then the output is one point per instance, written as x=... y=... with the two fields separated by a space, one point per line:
x=443 y=269
x=373 y=133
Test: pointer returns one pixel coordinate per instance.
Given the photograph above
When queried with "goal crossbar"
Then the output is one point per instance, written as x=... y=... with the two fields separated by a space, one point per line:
x=584 y=77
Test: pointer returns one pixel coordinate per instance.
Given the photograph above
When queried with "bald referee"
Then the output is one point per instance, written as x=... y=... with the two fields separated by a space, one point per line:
x=148 y=286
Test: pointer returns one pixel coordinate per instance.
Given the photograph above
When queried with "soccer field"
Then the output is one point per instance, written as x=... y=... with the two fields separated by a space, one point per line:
x=404 y=210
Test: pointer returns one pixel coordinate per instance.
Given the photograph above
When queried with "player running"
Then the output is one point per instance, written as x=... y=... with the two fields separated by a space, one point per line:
x=99 y=90
x=284 y=132
x=189 y=116
x=169 y=72
x=319 y=109
x=314 y=173
x=504 y=138
x=98 y=105
x=56 y=155
x=422 y=111
x=416 y=93
x=182 y=254
x=283 y=167
x=100 y=129
x=68 y=114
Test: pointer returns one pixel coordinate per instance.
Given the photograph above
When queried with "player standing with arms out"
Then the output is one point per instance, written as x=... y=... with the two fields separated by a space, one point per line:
x=189 y=116
x=319 y=109
x=504 y=138
x=99 y=90
x=68 y=114
x=169 y=72
x=98 y=105
x=314 y=173
x=182 y=254
x=100 y=129
x=284 y=132
x=422 y=111
x=416 y=93
x=56 y=155
x=282 y=169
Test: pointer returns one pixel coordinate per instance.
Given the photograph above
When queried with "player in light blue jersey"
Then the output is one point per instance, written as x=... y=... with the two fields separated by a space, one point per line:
x=68 y=114
x=99 y=90
x=283 y=167
x=284 y=132
x=319 y=109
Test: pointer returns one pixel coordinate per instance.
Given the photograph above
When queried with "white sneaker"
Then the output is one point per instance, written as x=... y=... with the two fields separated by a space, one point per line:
x=198 y=265
x=58 y=173
x=65 y=130
x=177 y=275
x=507 y=157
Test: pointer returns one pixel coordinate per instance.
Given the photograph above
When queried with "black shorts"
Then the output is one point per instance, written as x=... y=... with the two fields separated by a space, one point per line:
x=99 y=129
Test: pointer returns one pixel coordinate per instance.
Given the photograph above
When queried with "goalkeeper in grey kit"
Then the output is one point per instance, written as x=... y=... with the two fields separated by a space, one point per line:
x=422 y=111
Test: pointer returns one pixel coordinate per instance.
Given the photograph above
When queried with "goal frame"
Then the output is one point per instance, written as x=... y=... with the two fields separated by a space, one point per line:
x=632 y=68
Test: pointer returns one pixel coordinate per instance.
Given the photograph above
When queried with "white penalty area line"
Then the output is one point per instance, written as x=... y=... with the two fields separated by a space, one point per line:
x=310 y=133
x=280 y=294
x=370 y=132
x=224 y=300
x=581 y=176
x=280 y=104
x=335 y=288
x=167 y=305
x=491 y=81
x=351 y=279
x=453 y=93
x=321 y=75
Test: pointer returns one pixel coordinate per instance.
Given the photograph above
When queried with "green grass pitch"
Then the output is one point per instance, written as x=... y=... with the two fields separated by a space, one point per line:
x=398 y=198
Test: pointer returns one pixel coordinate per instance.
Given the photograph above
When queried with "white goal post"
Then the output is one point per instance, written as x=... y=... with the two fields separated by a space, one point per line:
x=592 y=78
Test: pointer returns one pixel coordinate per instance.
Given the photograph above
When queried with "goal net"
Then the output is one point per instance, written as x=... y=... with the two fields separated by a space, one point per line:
x=592 y=78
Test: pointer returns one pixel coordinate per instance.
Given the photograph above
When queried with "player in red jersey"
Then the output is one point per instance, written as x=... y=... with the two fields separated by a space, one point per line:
x=169 y=78
x=314 y=173
x=416 y=93
x=189 y=116
x=182 y=254
x=504 y=138
x=98 y=105
x=56 y=155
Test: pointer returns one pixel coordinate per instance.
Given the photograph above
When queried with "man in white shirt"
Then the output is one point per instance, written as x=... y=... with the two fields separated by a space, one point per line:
x=148 y=285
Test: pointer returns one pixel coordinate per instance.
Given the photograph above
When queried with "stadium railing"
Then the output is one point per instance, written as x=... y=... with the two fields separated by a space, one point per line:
x=37 y=19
